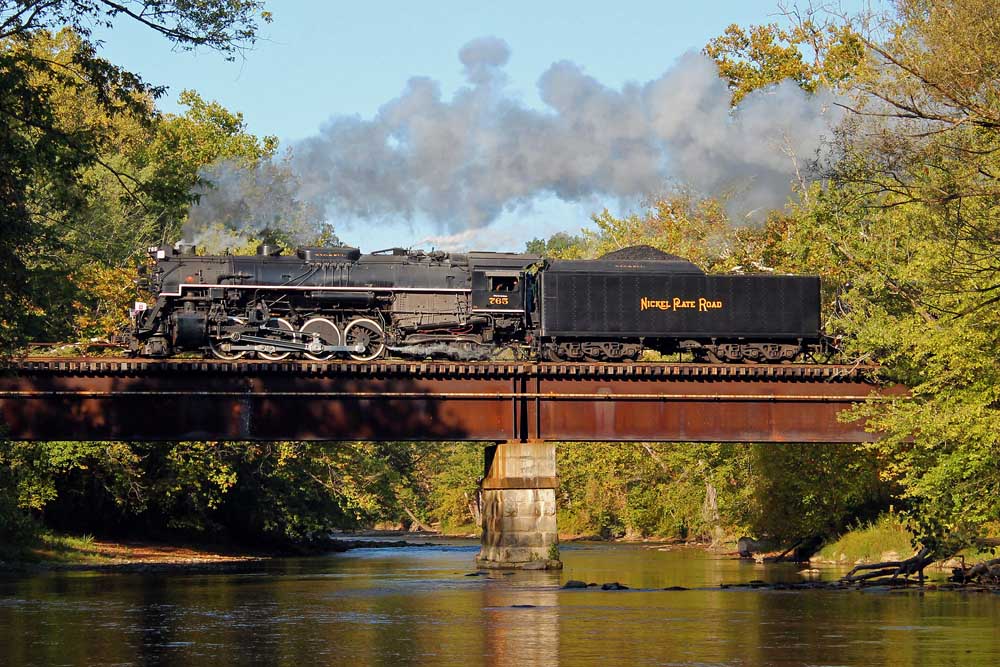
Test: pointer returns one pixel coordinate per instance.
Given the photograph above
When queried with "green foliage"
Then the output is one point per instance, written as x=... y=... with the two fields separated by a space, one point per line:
x=226 y=26
x=453 y=490
x=869 y=540
x=653 y=489
x=808 y=47
x=805 y=492
x=73 y=123
x=89 y=222
x=558 y=246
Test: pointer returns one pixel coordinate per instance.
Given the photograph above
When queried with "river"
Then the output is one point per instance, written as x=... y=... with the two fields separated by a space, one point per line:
x=418 y=606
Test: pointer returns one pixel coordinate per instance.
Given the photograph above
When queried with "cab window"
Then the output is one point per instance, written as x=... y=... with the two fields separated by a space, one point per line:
x=503 y=283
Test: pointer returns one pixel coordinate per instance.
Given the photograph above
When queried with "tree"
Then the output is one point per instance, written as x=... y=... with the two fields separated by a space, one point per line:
x=44 y=158
x=227 y=26
x=910 y=216
x=78 y=271
x=810 y=47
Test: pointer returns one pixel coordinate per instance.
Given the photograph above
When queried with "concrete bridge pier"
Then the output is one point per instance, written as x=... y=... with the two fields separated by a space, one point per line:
x=519 y=507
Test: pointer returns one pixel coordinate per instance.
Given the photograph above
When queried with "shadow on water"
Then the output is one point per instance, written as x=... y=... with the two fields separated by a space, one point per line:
x=425 y=605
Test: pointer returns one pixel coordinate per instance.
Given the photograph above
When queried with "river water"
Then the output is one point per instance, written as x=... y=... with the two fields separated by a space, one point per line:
x=417 y=606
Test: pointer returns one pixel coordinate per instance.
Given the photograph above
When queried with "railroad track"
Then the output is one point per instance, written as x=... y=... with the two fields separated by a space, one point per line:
x=129 y=367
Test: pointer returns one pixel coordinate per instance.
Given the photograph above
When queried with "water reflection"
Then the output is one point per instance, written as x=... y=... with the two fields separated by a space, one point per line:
x=521 y=620
x=388 y=607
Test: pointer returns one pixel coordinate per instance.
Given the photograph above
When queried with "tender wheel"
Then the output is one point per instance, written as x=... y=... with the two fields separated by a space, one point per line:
x=276 y=322
x=369 y=335
x=326 y=330
x=215 y=344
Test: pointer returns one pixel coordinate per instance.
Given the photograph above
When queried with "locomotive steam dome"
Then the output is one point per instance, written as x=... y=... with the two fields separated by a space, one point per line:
x=268 y=250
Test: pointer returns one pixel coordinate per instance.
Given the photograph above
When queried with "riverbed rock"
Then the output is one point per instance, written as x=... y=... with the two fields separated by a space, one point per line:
x=575 y=583
x=614 y=586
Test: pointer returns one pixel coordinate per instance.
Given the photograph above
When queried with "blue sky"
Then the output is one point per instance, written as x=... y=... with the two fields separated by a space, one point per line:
x=321 y=59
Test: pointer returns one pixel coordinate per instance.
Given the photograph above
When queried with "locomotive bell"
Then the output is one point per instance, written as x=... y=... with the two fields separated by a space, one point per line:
x=268 y=250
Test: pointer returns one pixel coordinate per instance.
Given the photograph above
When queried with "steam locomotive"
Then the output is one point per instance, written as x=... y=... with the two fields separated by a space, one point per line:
x=334 y=302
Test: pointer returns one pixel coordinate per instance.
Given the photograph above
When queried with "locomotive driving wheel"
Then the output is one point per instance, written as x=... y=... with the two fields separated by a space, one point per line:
x=368 y=334
x=276 y=323
x=326 y=331
x=219 y=346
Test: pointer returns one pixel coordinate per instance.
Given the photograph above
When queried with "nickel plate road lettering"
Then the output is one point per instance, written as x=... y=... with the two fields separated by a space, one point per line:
x=701 y=304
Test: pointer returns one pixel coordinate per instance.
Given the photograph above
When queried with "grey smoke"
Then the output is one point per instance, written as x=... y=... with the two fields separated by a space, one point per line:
x=237 y=204
x=463 y=161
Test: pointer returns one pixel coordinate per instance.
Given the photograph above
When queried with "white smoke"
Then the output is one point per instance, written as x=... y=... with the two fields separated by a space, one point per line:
x=463 y=161
x=425 y=350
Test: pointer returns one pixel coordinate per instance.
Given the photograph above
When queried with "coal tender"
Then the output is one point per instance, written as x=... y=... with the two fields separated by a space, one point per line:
x=335 y=303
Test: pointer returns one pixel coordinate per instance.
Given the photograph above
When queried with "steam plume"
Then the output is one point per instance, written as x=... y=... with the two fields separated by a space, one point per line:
x=461 y=162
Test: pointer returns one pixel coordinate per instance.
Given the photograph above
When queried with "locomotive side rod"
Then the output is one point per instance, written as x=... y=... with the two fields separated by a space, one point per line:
x=272 y=345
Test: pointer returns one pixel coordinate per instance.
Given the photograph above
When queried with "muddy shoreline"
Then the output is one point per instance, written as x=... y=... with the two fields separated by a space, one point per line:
x=150 y=556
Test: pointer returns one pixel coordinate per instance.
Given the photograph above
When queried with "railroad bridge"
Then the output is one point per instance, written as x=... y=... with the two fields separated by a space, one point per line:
x=521 y=408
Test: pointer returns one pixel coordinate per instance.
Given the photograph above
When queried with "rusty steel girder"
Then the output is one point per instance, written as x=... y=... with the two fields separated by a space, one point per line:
x=124 y=399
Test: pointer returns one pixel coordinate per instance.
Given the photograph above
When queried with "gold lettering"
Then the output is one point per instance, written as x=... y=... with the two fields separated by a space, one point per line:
x=647 y=303
x=704 y=305
x=676 y=303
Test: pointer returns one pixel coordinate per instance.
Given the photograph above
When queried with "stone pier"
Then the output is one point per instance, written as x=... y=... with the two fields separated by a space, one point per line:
x=519 y=507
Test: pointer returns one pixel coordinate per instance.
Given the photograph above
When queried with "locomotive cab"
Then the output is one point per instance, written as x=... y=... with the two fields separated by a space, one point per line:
x=498 y=291
x=502 y=285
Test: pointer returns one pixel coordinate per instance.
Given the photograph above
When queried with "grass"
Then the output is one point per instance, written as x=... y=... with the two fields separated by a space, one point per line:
x=978 y=553
x=873 y=541
x=870 y=542
x=48 y=547
x=458 y=529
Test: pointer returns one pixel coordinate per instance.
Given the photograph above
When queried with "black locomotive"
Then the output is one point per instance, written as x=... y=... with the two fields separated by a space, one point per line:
x=325 y=303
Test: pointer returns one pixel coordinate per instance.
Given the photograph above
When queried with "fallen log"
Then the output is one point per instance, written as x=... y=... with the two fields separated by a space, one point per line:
x=890 y=571
x=986 y=572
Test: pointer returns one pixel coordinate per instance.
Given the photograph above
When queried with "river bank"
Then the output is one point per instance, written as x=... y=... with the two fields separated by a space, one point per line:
x=52 y=551
x=883 y=540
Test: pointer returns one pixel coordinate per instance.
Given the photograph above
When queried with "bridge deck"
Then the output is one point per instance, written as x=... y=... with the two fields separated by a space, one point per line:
x=133 y=399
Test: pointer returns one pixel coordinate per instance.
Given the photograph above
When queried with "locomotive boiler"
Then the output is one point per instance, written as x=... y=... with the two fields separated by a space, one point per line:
x=335 y=302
